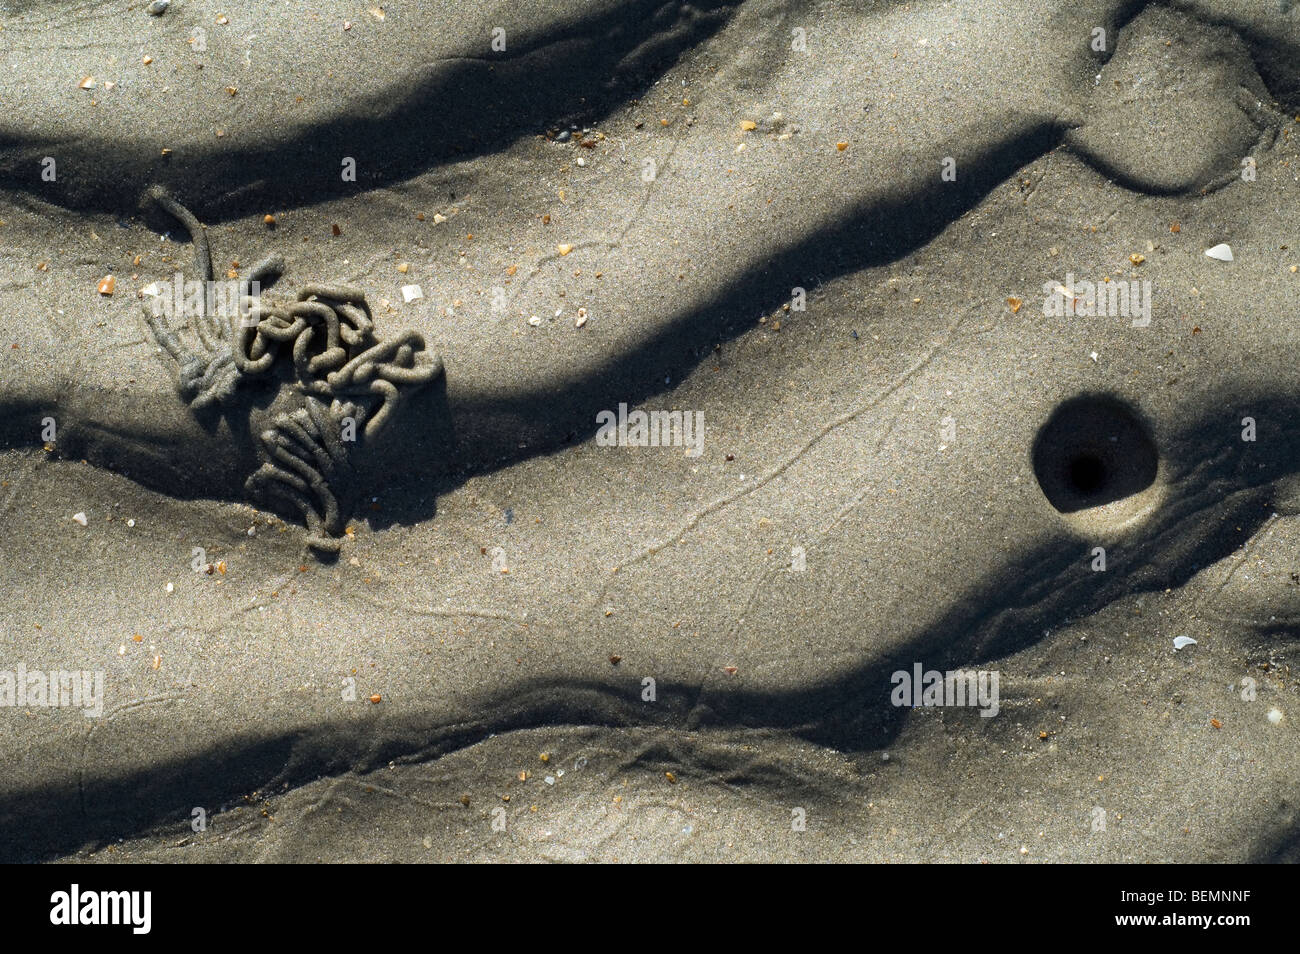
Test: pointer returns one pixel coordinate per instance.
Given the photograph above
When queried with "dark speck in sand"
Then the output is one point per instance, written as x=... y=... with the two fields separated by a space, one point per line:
x=510 y=515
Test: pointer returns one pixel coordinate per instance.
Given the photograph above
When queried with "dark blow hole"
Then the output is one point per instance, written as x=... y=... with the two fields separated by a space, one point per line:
x=1093 y=450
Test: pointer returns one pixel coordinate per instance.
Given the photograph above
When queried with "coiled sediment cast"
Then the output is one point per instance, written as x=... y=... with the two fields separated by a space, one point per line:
x=351 y=382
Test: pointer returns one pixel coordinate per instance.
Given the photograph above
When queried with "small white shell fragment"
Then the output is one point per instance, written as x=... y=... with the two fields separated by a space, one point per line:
x=152 y=290
x=581 y=319
x=80 y=517
x=535 y=321
x=1221 y=252
x=550 y=780
x=1275 y=716
x=130 y=523
x=1182 y=641
x=411 y=293
x=170 y=587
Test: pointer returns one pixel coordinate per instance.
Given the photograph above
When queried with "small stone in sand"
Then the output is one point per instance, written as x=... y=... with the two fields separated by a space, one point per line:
x=1275 y=716
x=581 y=319
x=106 y=285
x=411 y=293
x=1222 y=253
x=1181 y=642
x=376 y=698
x=564 y=249
x=158 y=7
x=80 y=517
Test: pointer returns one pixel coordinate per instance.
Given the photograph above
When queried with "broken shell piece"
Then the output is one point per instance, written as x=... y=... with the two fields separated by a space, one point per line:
x=1221 y=252
x=1183 y=641
x=411 y=293
x=80 y=517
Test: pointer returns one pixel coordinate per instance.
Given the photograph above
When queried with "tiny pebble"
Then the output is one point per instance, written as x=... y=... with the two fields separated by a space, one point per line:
x=158 y=7
x=411 y=293
x=1181 y=642
x=1222 y=253
x=130 y=523
x=80 y=518
x=1275 y=716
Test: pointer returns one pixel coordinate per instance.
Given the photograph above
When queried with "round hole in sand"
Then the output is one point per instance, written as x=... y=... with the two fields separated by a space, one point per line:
x=1096 y=451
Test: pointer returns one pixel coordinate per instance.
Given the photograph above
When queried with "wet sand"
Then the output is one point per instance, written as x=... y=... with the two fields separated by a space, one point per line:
x=534 y=647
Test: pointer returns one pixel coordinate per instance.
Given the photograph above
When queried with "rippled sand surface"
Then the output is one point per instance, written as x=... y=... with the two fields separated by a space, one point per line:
x=931 y=278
